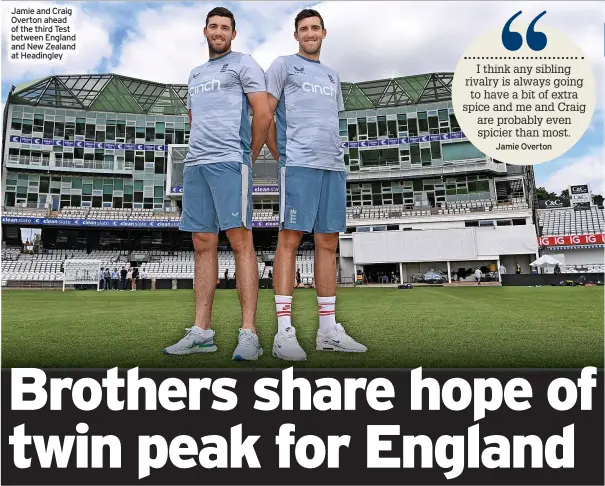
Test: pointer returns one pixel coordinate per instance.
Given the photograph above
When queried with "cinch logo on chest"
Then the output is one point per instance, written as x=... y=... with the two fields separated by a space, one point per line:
x=316 y=88
x=213 y=85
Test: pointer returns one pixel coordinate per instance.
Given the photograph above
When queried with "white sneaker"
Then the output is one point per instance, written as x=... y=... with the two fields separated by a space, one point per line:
x=248 y=347
x=195 y=341
x=286 y=347
x=338 y=340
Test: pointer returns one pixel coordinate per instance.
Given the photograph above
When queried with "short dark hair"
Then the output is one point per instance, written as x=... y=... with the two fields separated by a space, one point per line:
x=221 y=12
x=305 y=14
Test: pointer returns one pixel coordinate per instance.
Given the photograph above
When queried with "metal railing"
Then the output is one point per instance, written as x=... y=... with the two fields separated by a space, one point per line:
x=49 y=163
x=408 y=171
x=30 y=209
x=356 y=213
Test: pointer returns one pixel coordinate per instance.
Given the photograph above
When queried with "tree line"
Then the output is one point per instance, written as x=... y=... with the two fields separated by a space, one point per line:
x=543 y=195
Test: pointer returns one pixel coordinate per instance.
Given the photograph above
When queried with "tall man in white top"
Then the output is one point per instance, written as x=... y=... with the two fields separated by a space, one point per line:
x=217 y=179
x=306 y=97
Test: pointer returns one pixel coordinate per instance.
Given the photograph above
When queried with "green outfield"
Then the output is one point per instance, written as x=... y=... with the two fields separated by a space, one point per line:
x=429 y=327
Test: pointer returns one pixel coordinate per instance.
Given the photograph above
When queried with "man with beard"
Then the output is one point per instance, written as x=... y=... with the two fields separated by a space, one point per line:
x=217 y=179
x=306 y=97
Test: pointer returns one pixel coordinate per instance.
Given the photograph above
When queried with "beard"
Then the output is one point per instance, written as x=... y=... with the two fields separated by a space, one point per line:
x=312 y=51
x=220 y=50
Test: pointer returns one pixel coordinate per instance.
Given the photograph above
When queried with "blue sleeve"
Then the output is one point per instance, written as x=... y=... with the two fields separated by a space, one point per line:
x=276 y=78
x=339 y=99
x=251 y=76
x=188 y=97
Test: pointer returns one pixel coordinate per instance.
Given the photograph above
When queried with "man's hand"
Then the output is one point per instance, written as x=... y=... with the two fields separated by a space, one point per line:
x=261 y=120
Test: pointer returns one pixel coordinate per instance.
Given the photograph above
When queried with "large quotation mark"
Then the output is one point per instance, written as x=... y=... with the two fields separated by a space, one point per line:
x=513 y=41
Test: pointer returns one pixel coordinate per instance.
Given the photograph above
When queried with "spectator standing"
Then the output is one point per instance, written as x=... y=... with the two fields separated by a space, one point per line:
x=102 y=279
x=129 y=279
x=107 y=279
x=135 y=276
x=123 y=274
x=115 y=279
x=143 y=279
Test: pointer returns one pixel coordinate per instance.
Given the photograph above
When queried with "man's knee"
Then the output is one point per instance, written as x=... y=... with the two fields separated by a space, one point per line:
x=204 y=242
x=289 y=240
x=240 y=240
x=326 y=242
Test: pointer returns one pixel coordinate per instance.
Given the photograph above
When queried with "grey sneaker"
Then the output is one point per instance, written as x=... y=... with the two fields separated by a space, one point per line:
x=286 y=347
x=338 y=340
x=195 y=341
x=248 y=347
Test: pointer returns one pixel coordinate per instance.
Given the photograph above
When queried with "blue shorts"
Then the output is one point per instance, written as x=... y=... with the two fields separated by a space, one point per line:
x=312 y=200
x=216 y=197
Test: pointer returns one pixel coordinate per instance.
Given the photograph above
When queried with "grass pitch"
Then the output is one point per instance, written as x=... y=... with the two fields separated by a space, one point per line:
x=508 y=327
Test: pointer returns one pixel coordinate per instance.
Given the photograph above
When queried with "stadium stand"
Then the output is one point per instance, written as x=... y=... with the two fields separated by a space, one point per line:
x=568 y=221
x=109 y=213
x=165 y=265
x=583 y=255
x=118 y=214
x=399 y=210
x=74 y=213
x=305 y=261
x=384 y=211
x=264 y=215
x=27 y=269
x=25 y=212
x=181 y=265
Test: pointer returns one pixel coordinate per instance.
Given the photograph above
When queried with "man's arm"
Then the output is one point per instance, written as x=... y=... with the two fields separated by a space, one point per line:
x=272 y=135
x=261 y=120
x=276 y=77
x=253 y=82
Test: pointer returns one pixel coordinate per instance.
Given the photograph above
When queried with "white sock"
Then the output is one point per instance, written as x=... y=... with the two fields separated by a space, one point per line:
x=204 y=333
x=283 y=307
x=327 y=314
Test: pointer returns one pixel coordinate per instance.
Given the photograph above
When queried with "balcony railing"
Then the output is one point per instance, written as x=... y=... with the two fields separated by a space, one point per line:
x=30 y=209
x=46 y=163
x=446 y=168
x=465 y=209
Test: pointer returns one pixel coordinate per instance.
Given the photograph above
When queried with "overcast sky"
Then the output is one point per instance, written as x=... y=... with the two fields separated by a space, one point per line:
x=366 y=40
